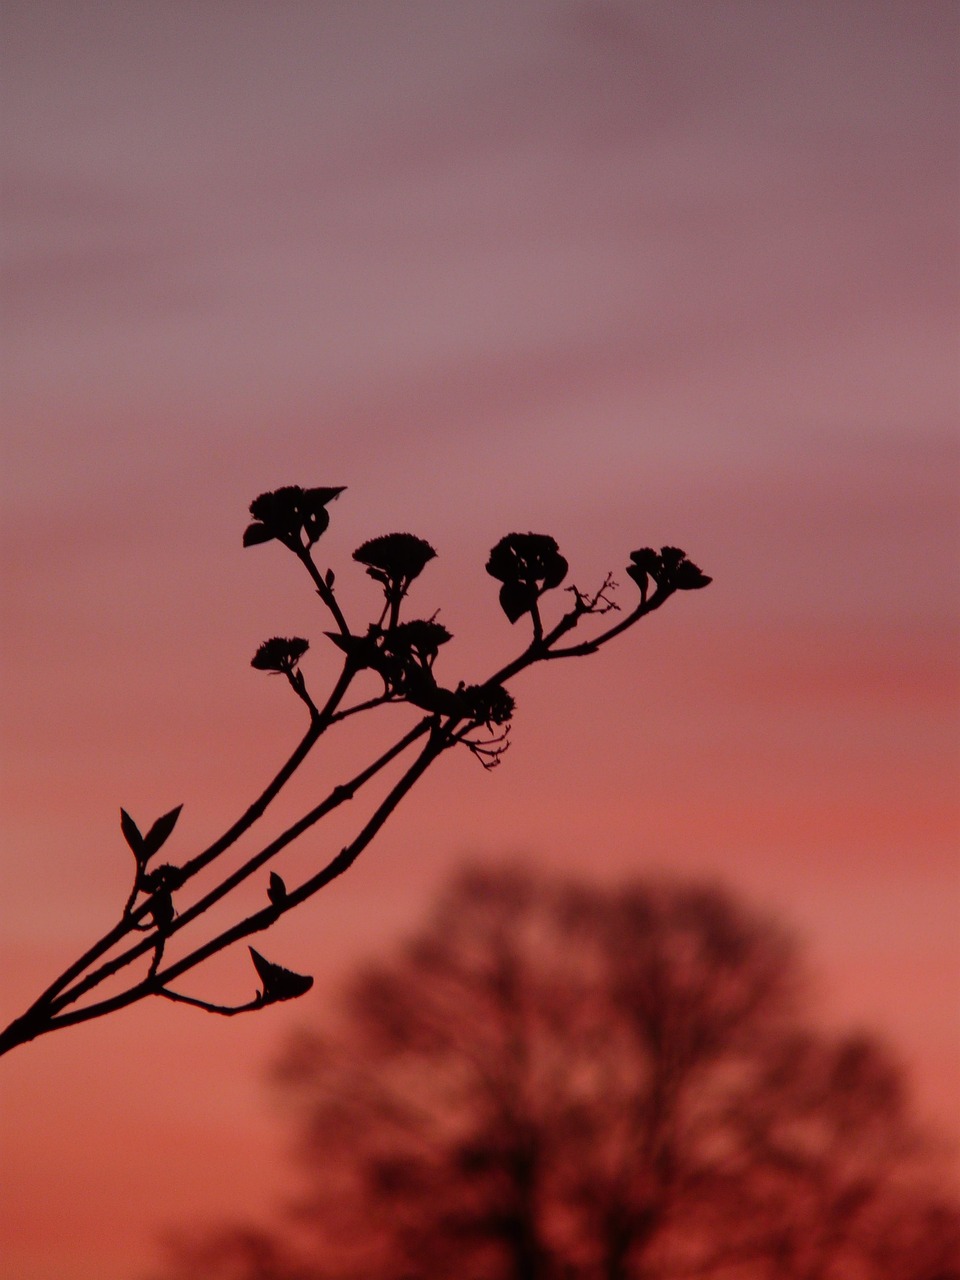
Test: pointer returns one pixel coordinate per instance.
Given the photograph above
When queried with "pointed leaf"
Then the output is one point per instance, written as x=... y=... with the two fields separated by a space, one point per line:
x=329 y=578
x=347 y=643
x=322 y=495
x=159 y=833
x=360 y=649
x=688 y=577
x=131 y=833
x=277 y=890
x=516 y=599
x=255 y=533
x=279 y=983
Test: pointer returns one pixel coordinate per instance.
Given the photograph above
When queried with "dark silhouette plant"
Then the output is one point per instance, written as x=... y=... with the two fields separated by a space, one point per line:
x=402 y=656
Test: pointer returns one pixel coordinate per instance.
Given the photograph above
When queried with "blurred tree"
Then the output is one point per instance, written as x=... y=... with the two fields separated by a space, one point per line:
x=556 y=1082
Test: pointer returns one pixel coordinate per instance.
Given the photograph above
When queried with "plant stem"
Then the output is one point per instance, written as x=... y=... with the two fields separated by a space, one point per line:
x=441 y=737
x=336 y=797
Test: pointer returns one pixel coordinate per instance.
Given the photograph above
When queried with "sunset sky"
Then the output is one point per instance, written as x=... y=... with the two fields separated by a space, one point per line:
x=625 y=273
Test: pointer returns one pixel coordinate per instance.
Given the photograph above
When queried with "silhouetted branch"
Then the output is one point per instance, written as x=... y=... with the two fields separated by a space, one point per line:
x=339 y=795
x=262 y=919
x=227 y=1010
x=402 y=654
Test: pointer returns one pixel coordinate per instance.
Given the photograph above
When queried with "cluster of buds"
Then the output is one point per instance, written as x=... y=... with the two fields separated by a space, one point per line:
x=670 y=570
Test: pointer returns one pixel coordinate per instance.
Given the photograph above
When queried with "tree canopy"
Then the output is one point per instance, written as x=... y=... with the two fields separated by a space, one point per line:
x=554 y=1081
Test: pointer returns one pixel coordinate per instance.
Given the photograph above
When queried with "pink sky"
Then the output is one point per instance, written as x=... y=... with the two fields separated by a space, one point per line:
x=624 y=273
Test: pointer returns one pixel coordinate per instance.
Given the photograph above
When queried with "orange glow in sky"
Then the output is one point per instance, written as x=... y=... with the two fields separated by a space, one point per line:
x=627 y=274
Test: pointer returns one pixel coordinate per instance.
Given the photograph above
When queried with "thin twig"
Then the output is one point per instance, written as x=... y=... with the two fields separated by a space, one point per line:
x=226 y=1010
x=336 y=797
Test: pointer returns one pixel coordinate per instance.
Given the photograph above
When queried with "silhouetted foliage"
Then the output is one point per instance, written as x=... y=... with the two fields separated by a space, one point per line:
x=279 y=655
x=559 y=1082
x=278 y=983
x=394 y=560
x=401 y=655
x=528 y=564
x=294 y=516
x=670 y=568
